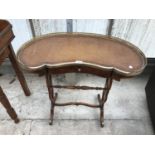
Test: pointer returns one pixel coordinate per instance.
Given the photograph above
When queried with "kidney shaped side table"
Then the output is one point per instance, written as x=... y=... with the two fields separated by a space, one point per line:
x=108 y=57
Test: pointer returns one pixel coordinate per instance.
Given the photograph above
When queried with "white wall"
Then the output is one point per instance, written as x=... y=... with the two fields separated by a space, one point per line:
x=139 y=32
x=91 y=26
x=44 y=26
x=21 y=31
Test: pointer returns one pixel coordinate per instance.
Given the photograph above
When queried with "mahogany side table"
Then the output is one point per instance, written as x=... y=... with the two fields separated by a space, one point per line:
x=6 y=50
x=108 y=57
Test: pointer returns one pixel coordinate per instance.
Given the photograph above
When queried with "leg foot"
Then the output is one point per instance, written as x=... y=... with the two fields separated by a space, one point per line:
x=51 y=116
x=51 y=123
x=102 y=118
x=102 y=125
x=17 y=120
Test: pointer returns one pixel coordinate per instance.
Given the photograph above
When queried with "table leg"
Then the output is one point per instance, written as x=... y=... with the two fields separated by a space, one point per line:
x=102 y=100
x=51 y=94
x=18 y=71
x=5 y=102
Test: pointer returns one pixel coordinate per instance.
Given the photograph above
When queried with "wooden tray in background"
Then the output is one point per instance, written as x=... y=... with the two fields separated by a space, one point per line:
x=6 y=36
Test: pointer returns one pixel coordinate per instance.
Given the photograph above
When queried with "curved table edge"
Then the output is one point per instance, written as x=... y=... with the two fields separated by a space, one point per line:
x=77 y=63
x=104 y=68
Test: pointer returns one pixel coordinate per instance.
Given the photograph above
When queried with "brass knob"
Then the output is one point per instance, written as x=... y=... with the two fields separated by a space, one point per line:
x=79 y=69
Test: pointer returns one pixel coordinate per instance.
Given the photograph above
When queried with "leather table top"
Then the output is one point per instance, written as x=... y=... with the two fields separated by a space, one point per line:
x=71 y=49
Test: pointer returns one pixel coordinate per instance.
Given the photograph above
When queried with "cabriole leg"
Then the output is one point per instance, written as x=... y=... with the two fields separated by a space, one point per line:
x=102 y=100
x=51 y=94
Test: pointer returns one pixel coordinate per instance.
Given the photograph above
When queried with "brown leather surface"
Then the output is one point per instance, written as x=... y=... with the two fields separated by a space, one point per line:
x=98 y=50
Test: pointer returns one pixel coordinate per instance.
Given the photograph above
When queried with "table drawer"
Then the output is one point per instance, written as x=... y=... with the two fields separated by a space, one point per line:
x=80 y=69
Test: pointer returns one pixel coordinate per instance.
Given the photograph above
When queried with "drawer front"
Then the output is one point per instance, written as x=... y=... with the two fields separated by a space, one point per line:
x=80 y=69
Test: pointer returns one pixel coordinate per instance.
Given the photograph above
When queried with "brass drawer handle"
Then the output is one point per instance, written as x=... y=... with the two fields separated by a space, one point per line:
x=79 y=69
